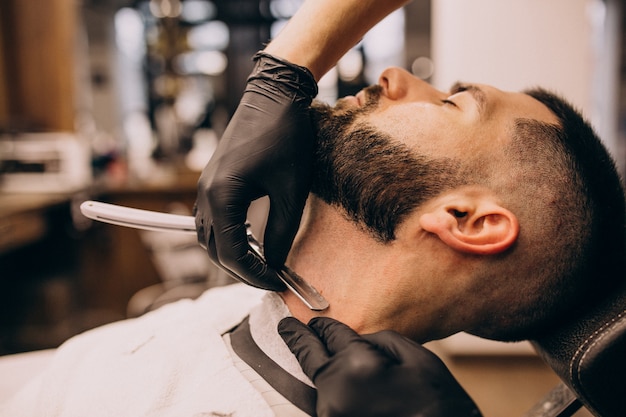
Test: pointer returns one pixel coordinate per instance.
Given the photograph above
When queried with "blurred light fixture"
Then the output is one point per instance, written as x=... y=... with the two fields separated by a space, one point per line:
x=201 y=62
x=423 y=67
x=284 y=9
x=129 y=32
x=211 y=35
x=189 y=105
x=350 y=65
x=198 y=10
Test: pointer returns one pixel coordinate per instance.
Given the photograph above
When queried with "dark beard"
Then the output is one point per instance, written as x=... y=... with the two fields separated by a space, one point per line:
x=377 y=181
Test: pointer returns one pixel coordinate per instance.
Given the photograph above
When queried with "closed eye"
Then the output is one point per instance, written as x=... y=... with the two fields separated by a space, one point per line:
x=458 y=88
x=477 y=93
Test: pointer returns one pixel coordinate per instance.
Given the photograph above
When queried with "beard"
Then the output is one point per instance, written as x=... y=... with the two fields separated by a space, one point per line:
x=375 y=180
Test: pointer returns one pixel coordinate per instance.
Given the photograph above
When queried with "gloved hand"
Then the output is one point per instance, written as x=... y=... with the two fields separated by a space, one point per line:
x=267 y=149
x=382 y=374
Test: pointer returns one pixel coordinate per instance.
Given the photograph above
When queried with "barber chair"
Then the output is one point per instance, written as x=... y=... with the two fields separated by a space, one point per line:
x=589 y=355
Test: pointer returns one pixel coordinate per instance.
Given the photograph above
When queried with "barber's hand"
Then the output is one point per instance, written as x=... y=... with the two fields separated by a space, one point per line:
x=267 y=149
x=382 y=374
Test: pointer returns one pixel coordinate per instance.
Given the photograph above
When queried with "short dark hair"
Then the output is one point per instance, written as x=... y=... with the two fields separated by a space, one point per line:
x=606 y=252
x=573 y=202
x=602 y=185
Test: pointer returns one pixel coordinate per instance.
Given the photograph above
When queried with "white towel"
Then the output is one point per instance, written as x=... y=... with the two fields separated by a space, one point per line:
x=264 y=320
x=170 y=362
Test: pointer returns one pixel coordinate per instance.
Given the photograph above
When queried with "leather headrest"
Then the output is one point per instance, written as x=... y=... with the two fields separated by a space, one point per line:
x=589 y=355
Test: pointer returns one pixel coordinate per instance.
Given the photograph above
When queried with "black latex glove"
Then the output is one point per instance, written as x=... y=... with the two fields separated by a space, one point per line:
x=382 y=374
x=267 y=149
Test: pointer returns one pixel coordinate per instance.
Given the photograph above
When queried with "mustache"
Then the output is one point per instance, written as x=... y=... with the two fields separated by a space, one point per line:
x=333 y=120
x=372 y=95
x=322 y=110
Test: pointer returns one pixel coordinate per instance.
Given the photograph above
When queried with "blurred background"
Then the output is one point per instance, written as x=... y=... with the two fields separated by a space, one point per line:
x=124 y=101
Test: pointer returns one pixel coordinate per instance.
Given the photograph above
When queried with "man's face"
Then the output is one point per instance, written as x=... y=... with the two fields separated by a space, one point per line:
x=468 y=118
x=401 y=142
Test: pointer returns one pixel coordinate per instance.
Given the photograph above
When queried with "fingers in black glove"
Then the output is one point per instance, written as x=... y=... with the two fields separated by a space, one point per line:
x=310 y=351
x=383 y=374
x=267 y=149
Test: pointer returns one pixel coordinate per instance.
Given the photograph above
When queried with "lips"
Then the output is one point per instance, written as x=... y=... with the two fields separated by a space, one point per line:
x=360 y=98
x=348 y=102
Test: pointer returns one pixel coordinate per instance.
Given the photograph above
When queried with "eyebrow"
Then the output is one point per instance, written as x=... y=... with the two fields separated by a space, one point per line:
x=477 y=93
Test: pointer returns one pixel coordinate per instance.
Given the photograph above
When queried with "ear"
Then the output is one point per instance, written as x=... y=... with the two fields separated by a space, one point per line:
x=472 y=224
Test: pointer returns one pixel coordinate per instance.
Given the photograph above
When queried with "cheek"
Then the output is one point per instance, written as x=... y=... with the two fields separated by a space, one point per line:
x=425 y=132
x=416 y=128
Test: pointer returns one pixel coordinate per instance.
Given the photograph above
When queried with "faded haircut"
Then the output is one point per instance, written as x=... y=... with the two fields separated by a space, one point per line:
x=570 y=201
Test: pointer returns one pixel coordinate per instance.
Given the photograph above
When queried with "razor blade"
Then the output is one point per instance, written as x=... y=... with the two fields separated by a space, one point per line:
x=166 y=222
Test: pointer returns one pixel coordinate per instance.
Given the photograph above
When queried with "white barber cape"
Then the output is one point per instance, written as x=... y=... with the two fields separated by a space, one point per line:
x=170 y=362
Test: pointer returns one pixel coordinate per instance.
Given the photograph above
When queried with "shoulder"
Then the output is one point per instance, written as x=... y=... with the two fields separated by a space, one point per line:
x=217 y=307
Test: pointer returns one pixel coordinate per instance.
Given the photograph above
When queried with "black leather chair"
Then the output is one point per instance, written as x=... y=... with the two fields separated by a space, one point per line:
x=589 y=355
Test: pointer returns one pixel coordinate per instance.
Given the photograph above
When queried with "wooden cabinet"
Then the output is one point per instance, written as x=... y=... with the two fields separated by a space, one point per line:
x=37 y=59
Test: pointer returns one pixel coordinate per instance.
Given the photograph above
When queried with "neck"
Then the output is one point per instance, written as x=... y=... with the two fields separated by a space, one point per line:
x=364 y=281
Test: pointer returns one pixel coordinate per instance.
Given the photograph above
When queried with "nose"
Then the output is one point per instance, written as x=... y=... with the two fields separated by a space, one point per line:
x=399 y=84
